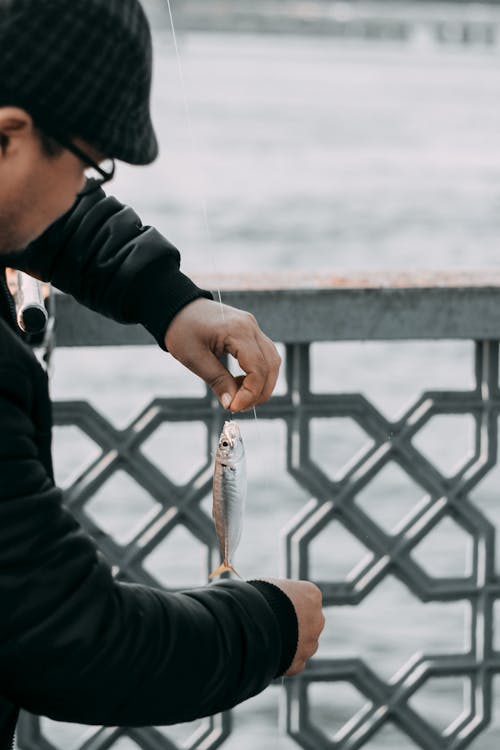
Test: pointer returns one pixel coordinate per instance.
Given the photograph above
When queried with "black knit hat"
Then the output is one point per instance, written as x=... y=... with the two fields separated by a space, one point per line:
x=81 y=68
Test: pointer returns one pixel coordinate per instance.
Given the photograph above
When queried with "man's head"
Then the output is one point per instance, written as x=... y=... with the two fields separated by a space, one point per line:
x=74 y=75
x=39 y=179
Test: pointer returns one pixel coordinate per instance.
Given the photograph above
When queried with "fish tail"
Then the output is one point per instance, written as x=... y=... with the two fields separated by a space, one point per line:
x=224 y=567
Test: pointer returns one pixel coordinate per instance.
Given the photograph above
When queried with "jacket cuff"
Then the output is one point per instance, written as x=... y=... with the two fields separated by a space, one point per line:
x=157 y=297
x=288 y=625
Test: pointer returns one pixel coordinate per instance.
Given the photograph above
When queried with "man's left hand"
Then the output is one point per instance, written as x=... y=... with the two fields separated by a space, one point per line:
x=204 y=330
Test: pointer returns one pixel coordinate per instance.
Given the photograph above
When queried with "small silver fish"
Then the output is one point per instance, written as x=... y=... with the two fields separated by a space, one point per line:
x=229 y=493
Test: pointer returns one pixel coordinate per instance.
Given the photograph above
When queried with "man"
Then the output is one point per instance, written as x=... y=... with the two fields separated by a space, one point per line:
x=75 y=645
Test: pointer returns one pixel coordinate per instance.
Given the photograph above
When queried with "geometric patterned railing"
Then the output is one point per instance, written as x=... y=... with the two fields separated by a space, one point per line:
x=305 y=414
x=447 y=497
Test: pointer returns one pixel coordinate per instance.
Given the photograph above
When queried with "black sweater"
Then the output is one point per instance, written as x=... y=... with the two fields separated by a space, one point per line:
x=75 y=644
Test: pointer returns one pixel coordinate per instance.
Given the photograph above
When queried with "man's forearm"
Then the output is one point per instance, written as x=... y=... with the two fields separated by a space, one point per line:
x=101 y=254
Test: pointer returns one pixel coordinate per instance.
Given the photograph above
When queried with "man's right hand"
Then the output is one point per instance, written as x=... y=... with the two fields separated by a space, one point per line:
x=306 y=599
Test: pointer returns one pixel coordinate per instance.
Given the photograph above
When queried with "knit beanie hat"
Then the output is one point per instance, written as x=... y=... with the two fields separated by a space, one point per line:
x=81 y=68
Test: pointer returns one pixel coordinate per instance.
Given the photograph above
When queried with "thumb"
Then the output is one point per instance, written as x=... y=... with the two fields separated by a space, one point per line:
x=219 y=379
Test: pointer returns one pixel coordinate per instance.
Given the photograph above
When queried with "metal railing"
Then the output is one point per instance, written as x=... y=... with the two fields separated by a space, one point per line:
x=299 y=311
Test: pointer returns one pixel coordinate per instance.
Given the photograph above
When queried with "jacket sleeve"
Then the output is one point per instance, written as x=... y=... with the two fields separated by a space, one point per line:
x=101 y=254
x=76 y=645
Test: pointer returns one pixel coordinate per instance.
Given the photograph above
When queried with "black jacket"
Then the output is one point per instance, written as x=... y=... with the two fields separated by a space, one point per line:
x=76 y=645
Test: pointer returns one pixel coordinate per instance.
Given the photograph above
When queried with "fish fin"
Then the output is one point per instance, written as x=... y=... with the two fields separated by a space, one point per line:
x=224 y=567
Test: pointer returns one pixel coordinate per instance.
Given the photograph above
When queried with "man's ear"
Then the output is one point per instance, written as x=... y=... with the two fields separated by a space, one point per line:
x=15 y=124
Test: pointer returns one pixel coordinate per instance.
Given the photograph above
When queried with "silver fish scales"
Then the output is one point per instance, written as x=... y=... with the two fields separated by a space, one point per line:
x=229 y=493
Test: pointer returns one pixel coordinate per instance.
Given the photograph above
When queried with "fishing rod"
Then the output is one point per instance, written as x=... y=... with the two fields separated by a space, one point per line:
x=32 y=316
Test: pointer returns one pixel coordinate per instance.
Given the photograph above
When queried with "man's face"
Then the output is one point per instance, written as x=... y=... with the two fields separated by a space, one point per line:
x=35 y=188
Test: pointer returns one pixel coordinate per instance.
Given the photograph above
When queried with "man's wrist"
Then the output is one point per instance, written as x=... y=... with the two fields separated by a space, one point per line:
x=159 y=297
x=285 y=614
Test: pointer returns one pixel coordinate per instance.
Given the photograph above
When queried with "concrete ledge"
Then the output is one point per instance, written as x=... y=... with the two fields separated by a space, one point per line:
x=299 y=307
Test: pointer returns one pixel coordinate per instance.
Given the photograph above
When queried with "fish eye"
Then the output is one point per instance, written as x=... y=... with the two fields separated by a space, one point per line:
x=224 y=443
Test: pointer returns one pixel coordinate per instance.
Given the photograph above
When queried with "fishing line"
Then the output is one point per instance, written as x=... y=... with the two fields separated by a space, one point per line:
x=189 y=121
x=187 y=110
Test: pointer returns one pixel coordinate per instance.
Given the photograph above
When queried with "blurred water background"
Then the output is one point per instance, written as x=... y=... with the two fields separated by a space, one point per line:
x=314 y=152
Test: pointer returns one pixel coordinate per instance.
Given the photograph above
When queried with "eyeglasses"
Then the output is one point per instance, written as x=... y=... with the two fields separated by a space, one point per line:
x=94 y=181
x=96 y=175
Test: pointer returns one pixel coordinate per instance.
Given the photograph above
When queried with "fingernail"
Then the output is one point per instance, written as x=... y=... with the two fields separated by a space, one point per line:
x=226 y=400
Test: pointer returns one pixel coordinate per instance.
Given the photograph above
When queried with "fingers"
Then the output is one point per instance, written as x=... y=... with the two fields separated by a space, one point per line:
x=204 y=330
x=258 y=357
x=249 y=393
x=223 y=384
